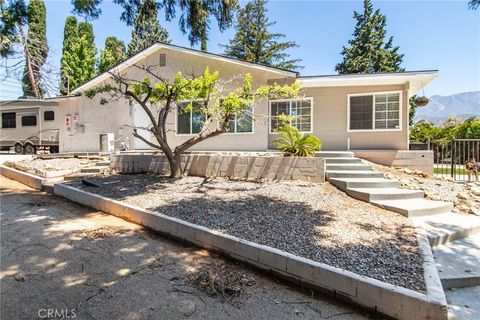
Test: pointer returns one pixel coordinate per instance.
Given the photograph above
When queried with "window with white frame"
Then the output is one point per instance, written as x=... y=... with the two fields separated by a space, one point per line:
x=190 y=120
x=300 y=111
x=375 y=111
x=241 y=123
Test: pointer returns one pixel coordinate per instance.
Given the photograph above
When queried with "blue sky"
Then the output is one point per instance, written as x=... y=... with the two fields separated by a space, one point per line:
x=441 y=35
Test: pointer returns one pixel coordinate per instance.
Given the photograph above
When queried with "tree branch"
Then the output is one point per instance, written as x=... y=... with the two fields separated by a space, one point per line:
x=136 y=135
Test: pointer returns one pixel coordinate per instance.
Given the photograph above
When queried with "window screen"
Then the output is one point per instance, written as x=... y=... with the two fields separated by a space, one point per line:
x=49 y=116
x=361 y=112
x=29 y=121
x=9 y=120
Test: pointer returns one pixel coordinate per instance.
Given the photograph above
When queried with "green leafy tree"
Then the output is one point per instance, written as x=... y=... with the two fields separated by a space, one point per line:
x=194 y=18
x=37 y=49
x=368 y=52
x=27 y=50
x=146 y=28
x=70 y=34
x=13 y=20
x=112 y=54
x=468 y=129
x=254 y=43
x=80 y=62
x=89 y=9
x=219 y=105
x=423 y=131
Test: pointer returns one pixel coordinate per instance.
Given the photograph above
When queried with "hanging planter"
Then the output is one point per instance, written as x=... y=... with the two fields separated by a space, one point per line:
x=421 y=101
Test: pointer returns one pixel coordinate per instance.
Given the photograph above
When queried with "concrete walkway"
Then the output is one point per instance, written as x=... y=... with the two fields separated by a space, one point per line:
x=58 y=255
x=455 y=238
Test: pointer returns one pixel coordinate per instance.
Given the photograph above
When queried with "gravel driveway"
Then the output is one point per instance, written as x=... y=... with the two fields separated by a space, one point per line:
x=58 y=255
x=311 y=220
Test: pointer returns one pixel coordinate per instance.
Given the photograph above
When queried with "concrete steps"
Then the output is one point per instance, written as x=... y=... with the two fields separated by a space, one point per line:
x=339 y=160
x=415 y=207
x=444 y=228
x=347 y=166
x=94 y=169
x=350 y=183
x=334 y=154
x=373 y=194
x=361 y=182
x=458 y=262
x=103 y=164
x=353 y=174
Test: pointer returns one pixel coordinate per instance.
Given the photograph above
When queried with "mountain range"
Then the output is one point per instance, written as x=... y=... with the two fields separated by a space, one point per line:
x=440 y=108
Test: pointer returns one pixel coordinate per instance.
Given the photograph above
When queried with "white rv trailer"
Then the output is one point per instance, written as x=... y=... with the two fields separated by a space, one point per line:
x=28 y=125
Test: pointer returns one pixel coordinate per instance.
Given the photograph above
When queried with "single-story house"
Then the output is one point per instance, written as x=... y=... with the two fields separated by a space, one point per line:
x=367 y=112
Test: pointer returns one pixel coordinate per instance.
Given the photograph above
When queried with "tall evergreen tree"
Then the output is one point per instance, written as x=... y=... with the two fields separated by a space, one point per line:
x=80 y=62
x=146 y=28
x=70 y=33
x=36 y=48
x=368 y=52
x=254 y=43
x=113 y=53
x=79 y=52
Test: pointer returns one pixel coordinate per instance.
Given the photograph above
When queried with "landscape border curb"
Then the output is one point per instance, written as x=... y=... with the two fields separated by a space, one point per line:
x=28 y=179
x=372 y=294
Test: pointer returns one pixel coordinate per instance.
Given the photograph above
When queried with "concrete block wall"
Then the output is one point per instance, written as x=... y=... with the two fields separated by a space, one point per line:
x=274 y=167
x=411 y=159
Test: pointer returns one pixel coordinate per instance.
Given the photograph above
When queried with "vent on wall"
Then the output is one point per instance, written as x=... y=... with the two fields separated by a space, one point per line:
x=162 y=61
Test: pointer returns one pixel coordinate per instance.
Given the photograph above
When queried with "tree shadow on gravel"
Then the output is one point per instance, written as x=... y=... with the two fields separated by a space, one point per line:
x=384 y=251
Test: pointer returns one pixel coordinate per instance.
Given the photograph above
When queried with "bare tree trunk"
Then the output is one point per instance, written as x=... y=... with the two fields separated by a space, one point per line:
x=28 y=62
x=175 y=166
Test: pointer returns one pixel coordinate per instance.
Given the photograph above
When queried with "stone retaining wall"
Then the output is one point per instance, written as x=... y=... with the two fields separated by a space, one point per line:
x=411 y=159
x=274 y=167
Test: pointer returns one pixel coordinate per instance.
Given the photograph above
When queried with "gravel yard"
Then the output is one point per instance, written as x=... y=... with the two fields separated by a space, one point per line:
x=315 y=221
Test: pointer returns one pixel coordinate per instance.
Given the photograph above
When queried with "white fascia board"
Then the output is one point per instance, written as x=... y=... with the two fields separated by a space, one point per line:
x=420 y=78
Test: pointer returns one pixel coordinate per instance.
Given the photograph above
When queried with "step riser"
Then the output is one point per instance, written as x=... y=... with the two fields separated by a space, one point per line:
x=460 y=282
x=348 y=167
x=102 y=164
x=334 y=154
x=372 y=197
x=344 y=160
x=418 y=213
x=352 y=185
x=373 y=174
x=460 y=234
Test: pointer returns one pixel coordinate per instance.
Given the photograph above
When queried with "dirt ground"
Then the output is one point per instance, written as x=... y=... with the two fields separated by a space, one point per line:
x=61 y=256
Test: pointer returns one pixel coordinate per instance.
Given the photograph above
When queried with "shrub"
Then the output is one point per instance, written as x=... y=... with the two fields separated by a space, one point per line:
x=294 y=143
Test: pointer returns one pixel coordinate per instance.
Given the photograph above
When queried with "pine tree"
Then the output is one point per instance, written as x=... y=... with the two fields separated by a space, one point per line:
x=36 y=48
x=78 y=59
x=368 y=52
x=195 y=16
x=254 y=43
x=146 y=28
x=113 y=53
x=70 y=34
x=80 y=62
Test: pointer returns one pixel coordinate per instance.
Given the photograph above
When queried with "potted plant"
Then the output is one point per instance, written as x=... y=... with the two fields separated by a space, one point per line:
x=421 y=101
